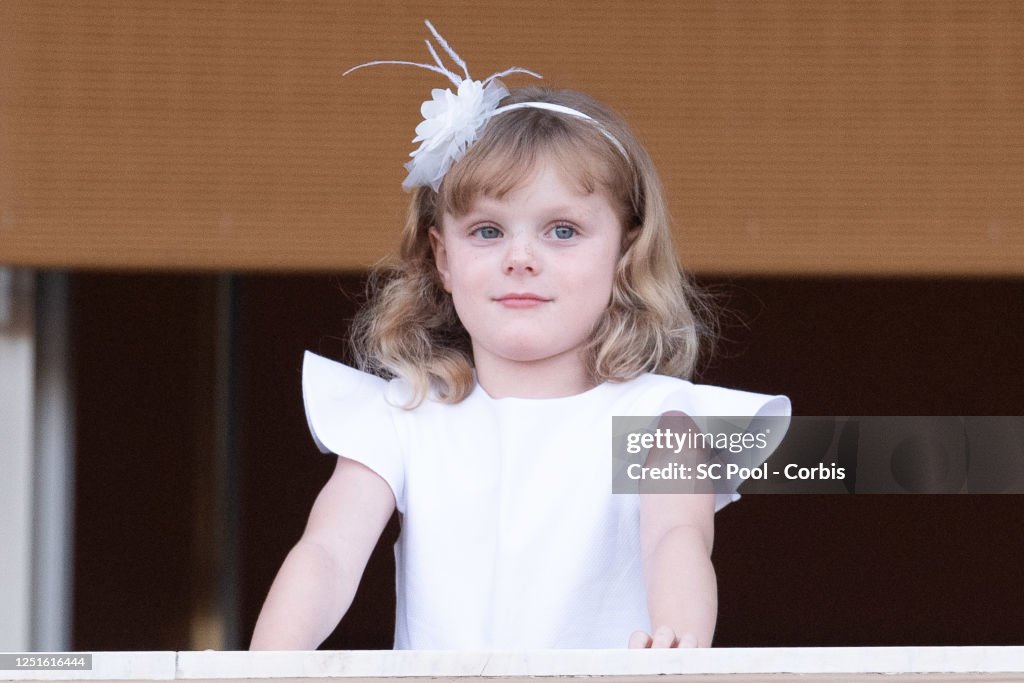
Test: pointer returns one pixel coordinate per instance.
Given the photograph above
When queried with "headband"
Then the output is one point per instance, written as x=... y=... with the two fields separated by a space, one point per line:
x=452 y=121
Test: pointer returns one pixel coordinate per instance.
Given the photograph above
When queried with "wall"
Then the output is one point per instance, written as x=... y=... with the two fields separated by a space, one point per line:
x=793 y=570
x=795 y=137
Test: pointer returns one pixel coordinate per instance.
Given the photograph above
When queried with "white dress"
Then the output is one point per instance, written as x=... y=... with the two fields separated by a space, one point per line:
x=511 y=538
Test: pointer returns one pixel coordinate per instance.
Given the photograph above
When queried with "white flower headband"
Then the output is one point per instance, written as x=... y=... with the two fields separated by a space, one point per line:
x=453 y=121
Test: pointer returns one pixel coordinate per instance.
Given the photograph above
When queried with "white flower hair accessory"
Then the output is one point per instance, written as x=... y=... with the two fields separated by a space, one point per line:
x=452 y=121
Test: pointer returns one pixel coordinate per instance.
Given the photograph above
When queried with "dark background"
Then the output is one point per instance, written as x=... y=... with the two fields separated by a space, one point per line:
x=792 y=570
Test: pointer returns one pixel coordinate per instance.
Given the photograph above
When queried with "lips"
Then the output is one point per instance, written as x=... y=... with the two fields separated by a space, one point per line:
x=522 y=300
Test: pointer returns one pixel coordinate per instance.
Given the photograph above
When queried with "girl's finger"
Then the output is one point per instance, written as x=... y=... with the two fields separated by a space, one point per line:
x=639 y=640
x=664 y=637
x=687 y=640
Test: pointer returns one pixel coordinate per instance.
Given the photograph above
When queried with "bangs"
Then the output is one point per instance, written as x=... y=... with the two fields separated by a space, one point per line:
x=514 y=144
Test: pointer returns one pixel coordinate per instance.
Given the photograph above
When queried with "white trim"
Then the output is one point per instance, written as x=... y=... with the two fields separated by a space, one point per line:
x=657 y=666
x=17 y=353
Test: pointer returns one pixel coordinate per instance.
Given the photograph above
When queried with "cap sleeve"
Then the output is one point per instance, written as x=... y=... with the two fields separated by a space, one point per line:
x=349 y=415
x=704 y=400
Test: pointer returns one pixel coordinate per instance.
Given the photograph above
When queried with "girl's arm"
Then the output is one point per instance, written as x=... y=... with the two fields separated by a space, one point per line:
x=316 y=583
x=677 y=532
x=676 y=535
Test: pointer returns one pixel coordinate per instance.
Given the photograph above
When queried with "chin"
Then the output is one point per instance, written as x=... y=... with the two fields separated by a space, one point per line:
x=524 y=355
x=529 y=353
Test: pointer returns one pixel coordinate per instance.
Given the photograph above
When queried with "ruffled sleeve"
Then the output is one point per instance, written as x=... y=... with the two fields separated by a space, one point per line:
x=349 y=415
x=748 y=412
x=705 y=399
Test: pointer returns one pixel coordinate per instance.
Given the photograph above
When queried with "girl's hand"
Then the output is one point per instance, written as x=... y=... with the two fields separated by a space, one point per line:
x=663 y=637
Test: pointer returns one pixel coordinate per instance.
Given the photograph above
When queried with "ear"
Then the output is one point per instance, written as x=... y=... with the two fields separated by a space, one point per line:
x=440 y=257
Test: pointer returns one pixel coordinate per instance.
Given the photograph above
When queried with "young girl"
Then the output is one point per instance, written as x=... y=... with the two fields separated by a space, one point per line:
x=537 y=295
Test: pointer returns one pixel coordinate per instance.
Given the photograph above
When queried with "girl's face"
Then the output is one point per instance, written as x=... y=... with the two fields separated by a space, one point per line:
x=530 y=274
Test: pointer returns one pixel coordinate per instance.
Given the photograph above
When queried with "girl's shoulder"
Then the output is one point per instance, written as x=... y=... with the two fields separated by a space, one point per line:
x=326 y=378
x=656 y=394
x=339 y=388
x=318 y=370
x=350 y=413
x=338 y=394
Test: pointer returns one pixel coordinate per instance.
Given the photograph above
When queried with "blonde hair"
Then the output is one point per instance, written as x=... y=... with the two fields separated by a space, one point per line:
x=656 y=319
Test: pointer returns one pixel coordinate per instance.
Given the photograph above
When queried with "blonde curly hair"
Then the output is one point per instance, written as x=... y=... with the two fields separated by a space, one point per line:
x=656 y=321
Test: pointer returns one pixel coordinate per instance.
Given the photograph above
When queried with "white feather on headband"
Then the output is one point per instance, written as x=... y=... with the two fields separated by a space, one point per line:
x=452 y=121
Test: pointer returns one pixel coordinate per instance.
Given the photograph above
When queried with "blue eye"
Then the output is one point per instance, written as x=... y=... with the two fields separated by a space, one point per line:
x=564 y=232
x=487 y=232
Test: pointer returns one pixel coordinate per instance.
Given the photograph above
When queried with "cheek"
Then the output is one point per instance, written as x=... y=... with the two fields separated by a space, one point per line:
x=602 y=275
x=464 y=267
x=606 y=288
x=465 y=285
x=470 y=310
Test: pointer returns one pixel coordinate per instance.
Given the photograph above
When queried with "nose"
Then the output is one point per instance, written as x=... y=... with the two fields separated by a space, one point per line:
x=520 y=256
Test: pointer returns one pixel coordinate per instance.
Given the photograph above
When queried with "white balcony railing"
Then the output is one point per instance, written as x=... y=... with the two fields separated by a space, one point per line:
x=717 y=664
